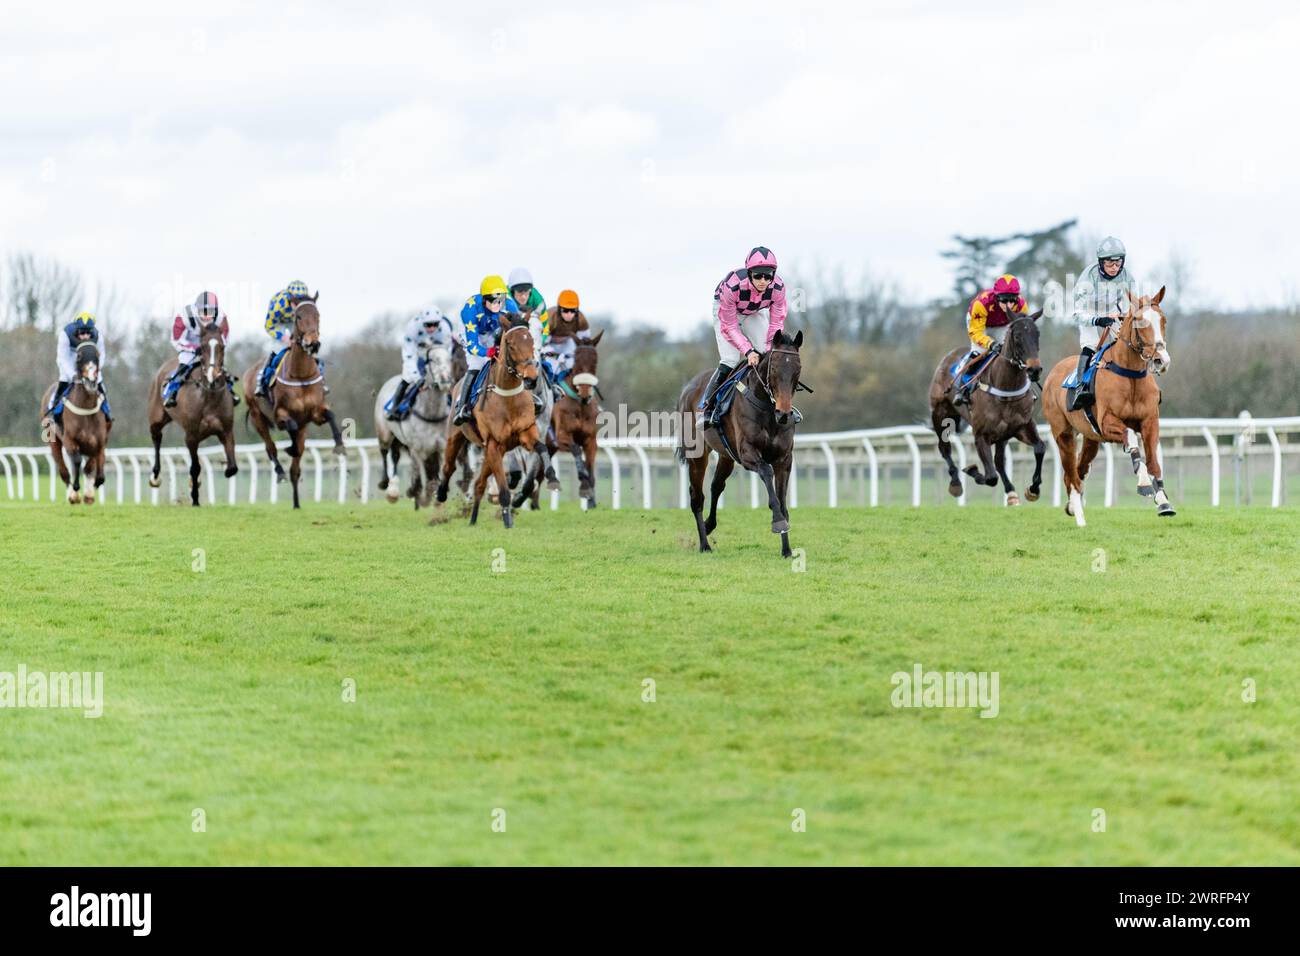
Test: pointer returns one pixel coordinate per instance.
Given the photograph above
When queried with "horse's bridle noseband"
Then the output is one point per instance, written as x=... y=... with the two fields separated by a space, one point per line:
x=507 y=359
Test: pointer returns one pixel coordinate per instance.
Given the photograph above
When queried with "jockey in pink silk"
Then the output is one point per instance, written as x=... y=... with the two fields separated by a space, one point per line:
x=749 y=308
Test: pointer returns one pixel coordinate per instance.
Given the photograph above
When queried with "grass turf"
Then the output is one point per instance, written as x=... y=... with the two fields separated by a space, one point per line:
x=522 y=690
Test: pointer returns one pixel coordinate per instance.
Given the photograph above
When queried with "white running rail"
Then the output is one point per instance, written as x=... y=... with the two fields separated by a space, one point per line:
x=846 y=468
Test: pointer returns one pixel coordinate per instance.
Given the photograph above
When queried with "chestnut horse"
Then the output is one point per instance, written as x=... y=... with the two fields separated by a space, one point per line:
x=204 y=407
x=85 y=429
x=1001 y=408
x=297 y=395
x=758 y=429
x=1126 y=404
x=504 y=418
x=575 y=418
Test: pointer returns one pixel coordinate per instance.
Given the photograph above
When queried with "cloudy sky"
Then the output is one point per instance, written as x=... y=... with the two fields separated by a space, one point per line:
x=392 y=154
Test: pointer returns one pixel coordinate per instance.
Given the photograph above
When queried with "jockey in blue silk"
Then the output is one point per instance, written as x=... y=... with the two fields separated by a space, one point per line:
x=279 y=325
x=480 y=323
x=80 y=330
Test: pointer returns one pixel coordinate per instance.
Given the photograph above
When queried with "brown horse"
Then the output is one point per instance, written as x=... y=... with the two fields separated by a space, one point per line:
x=575 y=418
x=204 y=407
x=297 y=395
x=1001 y=408
x=1126 y=404
x=85 y=428
x=758 y=430
x=504 y=418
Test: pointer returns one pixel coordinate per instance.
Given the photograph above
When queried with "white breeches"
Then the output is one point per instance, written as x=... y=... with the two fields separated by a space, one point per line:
x=753 y=326
x=1089 y=337
x=996 y=334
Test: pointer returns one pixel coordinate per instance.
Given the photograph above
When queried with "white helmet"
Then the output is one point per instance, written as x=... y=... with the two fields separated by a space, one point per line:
x=519 y=276
x=1111 y=248
x=431 y=317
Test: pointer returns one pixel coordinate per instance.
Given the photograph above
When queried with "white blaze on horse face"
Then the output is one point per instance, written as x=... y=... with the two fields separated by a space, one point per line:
x=1151 y=318
x=212 y=360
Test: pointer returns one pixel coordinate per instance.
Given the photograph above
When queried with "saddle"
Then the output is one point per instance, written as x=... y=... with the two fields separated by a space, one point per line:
x=973 y=371
x=1089 y=373
x=404 y=407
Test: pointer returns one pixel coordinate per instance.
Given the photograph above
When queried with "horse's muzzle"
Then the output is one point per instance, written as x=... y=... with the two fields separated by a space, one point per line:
x=312 y=347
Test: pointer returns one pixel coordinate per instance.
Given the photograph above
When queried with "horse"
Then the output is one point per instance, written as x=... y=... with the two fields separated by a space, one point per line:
x=85 y=429
x=204 y=407
x=575 y=416
x=423 y=433
x=1126 y=404
x=757 y=431
x=1001 y=408
x=503 y=418
x=530 y=466
x=297 y=395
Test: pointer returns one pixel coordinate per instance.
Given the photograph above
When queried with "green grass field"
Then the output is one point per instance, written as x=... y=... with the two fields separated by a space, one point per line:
x=523 y=690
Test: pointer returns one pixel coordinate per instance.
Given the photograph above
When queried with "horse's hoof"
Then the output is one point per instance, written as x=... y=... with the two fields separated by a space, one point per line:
x=280 y=476
x=232 y=471
x=780 y=526
x=591 y=504
x=1166 y=510
x=154 y=482
x=954 y=489
x=552 y=485
x=340 y=450
x=74 y=498
x=392 y=496
x=383 y=484
x=1013 y=500
x=704 y=546
x=88 y=500
x=1031 y=495
x=1147 y=491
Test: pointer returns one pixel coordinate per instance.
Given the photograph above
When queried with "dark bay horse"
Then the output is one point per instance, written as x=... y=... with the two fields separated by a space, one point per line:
x=758 y=429
x=575 y=418
x=1001 y=408
x=504 y=418
x=85 y=428
x=204 y=407
x=297 y=395
x=1126 y=404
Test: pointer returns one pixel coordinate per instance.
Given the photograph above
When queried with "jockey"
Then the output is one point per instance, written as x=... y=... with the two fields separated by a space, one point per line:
x=80 y=330
x=531 y=302
x=987 y=319
x=279 y=325
x=748 y=308
x=427 y=328
x=567 y=322
x=481 y=320
x=1099 y=302
x=185 y=340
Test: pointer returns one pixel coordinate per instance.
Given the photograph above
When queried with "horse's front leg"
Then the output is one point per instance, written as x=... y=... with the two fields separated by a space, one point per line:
x=488 y=467
x=782 y=471
x=1145 y=488
x=1000 y=462
x=228 y=445
x=155 y=433
x=989 y=475
x=337 y=432
x=720 y=475
x=450 y=459
x=589 y=447
x=297 y=437
x=196 y=469
x=74 y=493
x=1029 y=435
x=1151 y=442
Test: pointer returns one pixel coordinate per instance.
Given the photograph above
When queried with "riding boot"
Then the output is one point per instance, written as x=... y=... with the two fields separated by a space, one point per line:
x=55 y=412
x=230 y=384
x=465 y=411
x=707 y=406
x=395 y=403
x=267 y=371
x=1079 y=396
x=108 y=412
x=172 y=390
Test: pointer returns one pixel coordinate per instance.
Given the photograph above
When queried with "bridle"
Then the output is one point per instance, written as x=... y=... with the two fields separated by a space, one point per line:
x=507 y=357
x=1146 y=353
x=216 y=369
x=765 y=378
x=584 y=378
x=297 y=338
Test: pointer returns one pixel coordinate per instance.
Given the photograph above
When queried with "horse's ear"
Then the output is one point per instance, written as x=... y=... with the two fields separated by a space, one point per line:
x=1158 y=296
x=595 y=339
x=798 y=338
x=1034 y=317
x=316 y=296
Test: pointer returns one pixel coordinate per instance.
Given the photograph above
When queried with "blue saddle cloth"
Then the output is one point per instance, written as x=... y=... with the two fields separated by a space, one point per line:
x=726 y=393
x=404 y=407
x=973 y=372
x=1089 y=373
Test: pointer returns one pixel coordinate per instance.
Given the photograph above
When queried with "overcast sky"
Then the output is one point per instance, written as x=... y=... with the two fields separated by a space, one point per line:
x=393 y=154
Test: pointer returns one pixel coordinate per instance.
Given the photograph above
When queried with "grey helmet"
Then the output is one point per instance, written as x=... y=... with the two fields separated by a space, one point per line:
x=1110 y=248
x=518 y=277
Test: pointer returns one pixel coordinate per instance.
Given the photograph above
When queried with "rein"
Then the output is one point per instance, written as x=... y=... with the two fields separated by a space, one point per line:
x=511 y=368
x=763 y=379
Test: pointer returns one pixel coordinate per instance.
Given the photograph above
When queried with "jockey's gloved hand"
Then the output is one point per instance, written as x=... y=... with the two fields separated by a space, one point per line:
x=1102 y=321
x=995 y=348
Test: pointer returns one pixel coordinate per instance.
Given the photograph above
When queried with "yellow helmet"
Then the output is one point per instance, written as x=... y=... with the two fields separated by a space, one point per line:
x=84 y=318
x=492 y=285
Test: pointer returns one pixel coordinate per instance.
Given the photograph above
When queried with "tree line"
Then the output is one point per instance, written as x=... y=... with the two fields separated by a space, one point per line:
x=868 y=352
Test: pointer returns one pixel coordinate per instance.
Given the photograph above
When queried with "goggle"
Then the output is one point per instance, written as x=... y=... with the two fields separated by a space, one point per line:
x=767 y=274
x=568 y=311
x=1114 y=261
x=494 y=299
x=1008 y=299
x=524 y=287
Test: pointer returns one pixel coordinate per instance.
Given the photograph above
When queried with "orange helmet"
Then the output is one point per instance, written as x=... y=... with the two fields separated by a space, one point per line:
x=568 y=299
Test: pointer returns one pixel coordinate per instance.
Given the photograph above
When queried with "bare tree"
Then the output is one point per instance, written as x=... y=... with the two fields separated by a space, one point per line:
x=40 y=293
